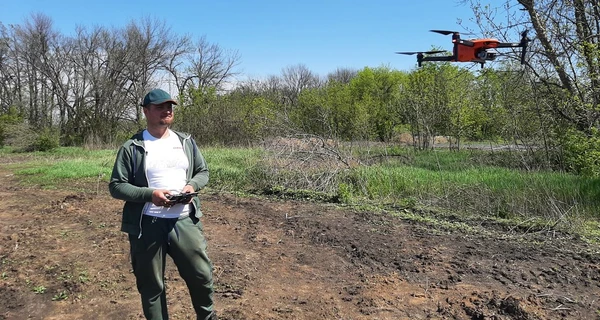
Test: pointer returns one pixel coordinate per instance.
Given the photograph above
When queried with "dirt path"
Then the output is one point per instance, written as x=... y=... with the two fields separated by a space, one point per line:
x=62 y=256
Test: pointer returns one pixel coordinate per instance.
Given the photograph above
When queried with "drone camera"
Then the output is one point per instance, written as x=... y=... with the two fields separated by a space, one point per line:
x=485 y=55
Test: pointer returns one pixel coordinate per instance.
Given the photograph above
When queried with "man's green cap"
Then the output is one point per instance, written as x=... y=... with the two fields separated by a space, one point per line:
x=157 y=96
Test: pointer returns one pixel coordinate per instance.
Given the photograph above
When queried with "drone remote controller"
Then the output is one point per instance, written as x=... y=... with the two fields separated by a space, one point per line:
x=181 y=197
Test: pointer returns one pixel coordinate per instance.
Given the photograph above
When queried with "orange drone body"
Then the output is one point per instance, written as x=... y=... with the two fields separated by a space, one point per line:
x=474 y=50
x=469 y=54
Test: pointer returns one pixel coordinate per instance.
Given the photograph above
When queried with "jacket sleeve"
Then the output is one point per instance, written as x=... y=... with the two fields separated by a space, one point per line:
x=120 y=186
x=200 y=174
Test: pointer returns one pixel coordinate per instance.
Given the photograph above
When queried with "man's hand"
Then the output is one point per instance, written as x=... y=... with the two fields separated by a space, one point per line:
x=159 y=197
x=188 y=189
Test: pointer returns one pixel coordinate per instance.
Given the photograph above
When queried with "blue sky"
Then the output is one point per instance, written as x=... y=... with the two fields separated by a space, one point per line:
x=270 y=35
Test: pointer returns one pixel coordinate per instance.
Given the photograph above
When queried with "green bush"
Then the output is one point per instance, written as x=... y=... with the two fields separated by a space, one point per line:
x=47 y=140
x=582 y=152
x=20 y=136
x=7 y=120
x=23 y=138
x=344 y=193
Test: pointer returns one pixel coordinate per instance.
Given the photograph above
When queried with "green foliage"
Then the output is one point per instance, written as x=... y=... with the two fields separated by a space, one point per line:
x=67 y=168
x=62 y=295
x=456 y=181
x=424 y=102
x=256 y=115
x=8 y=120
x=512 y=106
x=365 y=108
x=344 y=193
x=314 y=114
x=377 y=92
x=39 y=289
x=233 y=119
x=480 y=190
x=330 y=112
x=24 y=138
x=232 y=169
x=582 y=152
x=52 y=168
x=21 y=137
x=47 y=140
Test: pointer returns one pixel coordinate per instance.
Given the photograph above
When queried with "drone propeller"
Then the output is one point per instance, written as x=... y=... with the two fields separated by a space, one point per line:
x=447 y=32
x=422 y=52
x=455 y=37
x=421 y=55
x=444 y=32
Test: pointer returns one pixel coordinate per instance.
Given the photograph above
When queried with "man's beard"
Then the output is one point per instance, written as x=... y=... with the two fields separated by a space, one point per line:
x=165 y=122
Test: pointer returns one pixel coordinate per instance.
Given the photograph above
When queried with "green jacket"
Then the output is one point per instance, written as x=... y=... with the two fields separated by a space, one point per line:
x=129 y=182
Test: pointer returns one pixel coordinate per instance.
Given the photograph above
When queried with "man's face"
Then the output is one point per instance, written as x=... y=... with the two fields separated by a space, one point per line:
x=159 y=114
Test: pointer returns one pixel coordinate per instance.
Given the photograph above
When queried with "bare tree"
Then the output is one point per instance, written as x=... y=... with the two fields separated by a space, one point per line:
x=207 y=65
x=7 y=72
x=342 y=75
x=32 y=50
x=150 y=47
x=295 y=79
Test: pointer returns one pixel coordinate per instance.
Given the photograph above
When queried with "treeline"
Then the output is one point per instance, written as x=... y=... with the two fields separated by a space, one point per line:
x=89 y=85
x=86 y=88
x=371 y=104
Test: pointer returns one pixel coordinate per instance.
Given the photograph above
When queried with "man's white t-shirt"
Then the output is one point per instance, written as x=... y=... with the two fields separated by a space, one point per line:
x=166 y=168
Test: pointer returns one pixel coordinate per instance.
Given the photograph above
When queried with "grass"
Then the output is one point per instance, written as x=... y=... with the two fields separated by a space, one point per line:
x=454 y=181
x=545 y=197
x=231 y=168
x=39 y=289
x=54 y=168
x=388 y=181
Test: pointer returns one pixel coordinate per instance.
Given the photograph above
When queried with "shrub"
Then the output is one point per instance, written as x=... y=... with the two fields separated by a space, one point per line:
x=47 y=140
x=20 y=136
x=582 y=152
x=23 y=138
x=8 y=119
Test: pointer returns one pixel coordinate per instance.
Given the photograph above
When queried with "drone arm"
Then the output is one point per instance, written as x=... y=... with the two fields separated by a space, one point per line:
x=508 y=45
x=436 y=58
x=522 y=44
x=442 y=58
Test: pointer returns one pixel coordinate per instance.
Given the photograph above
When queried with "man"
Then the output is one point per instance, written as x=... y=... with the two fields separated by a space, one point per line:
x=151 y=166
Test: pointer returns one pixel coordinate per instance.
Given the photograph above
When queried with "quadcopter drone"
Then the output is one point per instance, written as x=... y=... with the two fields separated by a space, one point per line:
x=473 y=50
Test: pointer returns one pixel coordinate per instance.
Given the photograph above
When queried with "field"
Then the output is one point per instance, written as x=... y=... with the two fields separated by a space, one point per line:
x=63 y=257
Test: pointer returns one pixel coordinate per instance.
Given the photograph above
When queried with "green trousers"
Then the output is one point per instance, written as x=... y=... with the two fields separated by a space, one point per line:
x=184 y=241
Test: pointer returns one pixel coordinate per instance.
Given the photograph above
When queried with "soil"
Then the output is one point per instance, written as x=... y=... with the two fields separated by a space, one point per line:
x=63 y=257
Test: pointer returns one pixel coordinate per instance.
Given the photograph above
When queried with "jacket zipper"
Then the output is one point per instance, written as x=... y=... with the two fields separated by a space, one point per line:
x=147 y=183
x=191 y=166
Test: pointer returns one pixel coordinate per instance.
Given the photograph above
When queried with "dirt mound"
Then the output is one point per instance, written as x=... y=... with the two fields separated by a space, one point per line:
x=63 y=257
